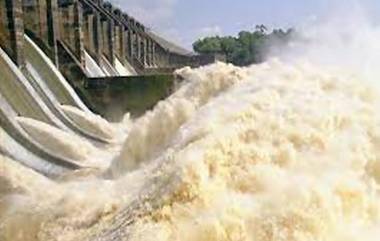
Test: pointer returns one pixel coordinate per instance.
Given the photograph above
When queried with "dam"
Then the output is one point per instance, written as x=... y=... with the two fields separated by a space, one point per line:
x=63 y=61
x=108 y=132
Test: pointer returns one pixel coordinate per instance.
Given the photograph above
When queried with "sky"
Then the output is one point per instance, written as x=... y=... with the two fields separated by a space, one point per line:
x=184 y=21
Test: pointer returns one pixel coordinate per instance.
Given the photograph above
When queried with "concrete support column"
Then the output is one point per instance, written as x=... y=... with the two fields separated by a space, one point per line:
x=148 y=52
x=126 y=43
x=52 y=26
x=90 y=32
x=145 y=51
x=98 y=36
x=16 y=30
x=122 y=44
x=141 y=55
x=154 y=54
x=42 y=19
x=78 y=32
x=138 y=46
x=111 y=39
x=131 y=44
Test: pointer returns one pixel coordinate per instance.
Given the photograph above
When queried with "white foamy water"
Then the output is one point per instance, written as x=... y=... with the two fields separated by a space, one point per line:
x=90 y=122
x=281 y=151
x=57 y=141
x=269 y=152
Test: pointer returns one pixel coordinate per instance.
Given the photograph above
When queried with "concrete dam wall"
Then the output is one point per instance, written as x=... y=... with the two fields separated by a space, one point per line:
x=87 y=39
x=64 y=62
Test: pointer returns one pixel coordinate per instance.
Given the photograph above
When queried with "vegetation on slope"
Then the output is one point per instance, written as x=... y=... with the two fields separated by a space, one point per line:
x=248 y=47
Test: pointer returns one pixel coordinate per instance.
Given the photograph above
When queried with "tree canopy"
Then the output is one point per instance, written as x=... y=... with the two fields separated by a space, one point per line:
x=247 y=48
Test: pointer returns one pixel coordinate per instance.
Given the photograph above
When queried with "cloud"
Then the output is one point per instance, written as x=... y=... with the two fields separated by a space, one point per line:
x=210 y=31
x=153 y=13
x=157 y=15
x=187 y=38
x=160 y=16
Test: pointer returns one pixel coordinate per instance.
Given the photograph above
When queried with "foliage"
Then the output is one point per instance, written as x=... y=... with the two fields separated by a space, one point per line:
x=247 y=48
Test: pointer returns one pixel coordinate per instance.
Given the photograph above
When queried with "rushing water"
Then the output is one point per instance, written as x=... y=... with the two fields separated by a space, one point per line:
x=281 y=151
x=269 y=152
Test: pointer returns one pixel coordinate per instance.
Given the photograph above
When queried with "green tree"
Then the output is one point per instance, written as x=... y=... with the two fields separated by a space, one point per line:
x=247 y=48
x=208 y=45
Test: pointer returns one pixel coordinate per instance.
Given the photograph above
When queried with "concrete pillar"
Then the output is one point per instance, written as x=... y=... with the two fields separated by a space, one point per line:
x=69 y=25
x=126 y=43
x=151 y=54
x=122 y=43
x=42 y=19
x=52 y=26
x=154 y=62
x=98 y=36
x=111 y=41
x=78 y=32
x=90 y=32
x=138 y=45
x=131 y=43
x=16 y=31
x=148 y=51
x=141 y=55
x=145 y=51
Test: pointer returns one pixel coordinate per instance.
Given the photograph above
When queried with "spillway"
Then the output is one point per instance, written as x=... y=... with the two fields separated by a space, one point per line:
x=93 y=69
x=40 y=161
x=123 y=70
x=18 y=144
x=43 y=69
x=21 y=95
x=18 y=98
x=39 y=93
x=54 y=89
x=107 y=67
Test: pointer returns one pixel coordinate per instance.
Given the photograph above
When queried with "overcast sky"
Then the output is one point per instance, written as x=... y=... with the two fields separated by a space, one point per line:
x=184 y=21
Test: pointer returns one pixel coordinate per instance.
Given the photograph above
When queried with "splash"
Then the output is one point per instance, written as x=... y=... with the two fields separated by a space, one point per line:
x=269 y=152
x=283 y=151
x=154 y=131
x=90 y=122
x=56 y=140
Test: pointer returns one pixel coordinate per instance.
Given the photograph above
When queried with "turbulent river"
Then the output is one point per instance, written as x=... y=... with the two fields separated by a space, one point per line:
x=281 y=151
